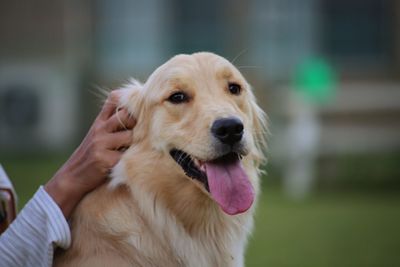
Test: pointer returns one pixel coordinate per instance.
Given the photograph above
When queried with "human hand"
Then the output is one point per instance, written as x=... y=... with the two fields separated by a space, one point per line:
x=90 y=164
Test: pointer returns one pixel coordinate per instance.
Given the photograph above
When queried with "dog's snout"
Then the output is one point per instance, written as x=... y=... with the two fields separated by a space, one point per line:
x=228 y=130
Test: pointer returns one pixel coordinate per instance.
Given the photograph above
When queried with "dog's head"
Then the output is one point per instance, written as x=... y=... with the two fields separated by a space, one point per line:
x=200 y=111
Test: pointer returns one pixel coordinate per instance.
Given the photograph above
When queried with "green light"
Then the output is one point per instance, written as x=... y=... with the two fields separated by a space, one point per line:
x=316 y=80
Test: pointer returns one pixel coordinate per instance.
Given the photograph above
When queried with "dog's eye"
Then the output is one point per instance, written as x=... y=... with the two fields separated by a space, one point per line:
x=178 y=97
x=234 y=88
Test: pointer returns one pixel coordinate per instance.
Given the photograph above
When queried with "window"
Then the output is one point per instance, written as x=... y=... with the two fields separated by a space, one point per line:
x=198 y=26
x=359 y=32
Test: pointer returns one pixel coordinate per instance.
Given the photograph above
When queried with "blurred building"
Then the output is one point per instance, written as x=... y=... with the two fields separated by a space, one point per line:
x=361 y=40
x=53 y=53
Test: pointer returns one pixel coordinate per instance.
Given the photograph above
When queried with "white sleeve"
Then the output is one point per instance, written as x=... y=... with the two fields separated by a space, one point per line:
x=30 y=240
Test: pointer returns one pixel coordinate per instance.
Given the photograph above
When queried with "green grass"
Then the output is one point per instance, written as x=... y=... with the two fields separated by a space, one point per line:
x=351 y=229
x=28 y=173
x=328 y=229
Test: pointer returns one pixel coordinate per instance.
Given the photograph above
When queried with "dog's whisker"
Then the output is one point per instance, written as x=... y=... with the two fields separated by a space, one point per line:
x=249 y=67
x=186 y=157
x=181 y=158
x=239 y=55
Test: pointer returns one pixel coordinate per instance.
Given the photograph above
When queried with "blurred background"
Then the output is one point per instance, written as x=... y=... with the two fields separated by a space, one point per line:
x=326 y=72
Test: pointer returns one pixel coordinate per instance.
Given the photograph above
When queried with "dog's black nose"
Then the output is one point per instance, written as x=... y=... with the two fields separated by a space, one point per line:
x=229 y=131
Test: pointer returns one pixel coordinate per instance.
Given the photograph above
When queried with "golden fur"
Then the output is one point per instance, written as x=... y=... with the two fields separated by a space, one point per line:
x=151 y=213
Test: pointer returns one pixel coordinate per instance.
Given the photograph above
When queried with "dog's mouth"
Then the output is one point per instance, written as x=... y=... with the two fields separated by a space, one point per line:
x=191 y=166
x=224 y=178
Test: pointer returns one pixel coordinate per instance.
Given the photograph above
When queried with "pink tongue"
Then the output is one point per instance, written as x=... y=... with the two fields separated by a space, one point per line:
x=230 y=187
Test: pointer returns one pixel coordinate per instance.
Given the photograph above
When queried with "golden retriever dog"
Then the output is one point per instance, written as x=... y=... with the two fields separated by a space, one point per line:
x=184 y=193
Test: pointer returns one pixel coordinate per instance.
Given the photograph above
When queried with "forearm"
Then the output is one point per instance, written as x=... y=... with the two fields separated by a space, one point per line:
x=73 y=181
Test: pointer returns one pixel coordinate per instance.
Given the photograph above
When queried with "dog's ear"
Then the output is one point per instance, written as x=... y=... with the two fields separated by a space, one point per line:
x=131 y=98
x=260 y=129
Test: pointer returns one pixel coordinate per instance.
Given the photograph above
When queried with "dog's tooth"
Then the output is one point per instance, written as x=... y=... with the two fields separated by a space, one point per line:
x=203 y=168
x=195 y=161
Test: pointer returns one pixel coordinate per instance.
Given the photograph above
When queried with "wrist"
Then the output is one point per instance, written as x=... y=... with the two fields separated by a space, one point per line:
x=63 y=192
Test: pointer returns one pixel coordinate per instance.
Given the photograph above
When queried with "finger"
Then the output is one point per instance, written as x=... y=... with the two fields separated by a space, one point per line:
x=119 y=140
x=110 y=105
x=130 y=122
x=112 y=157
x=121 y=120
